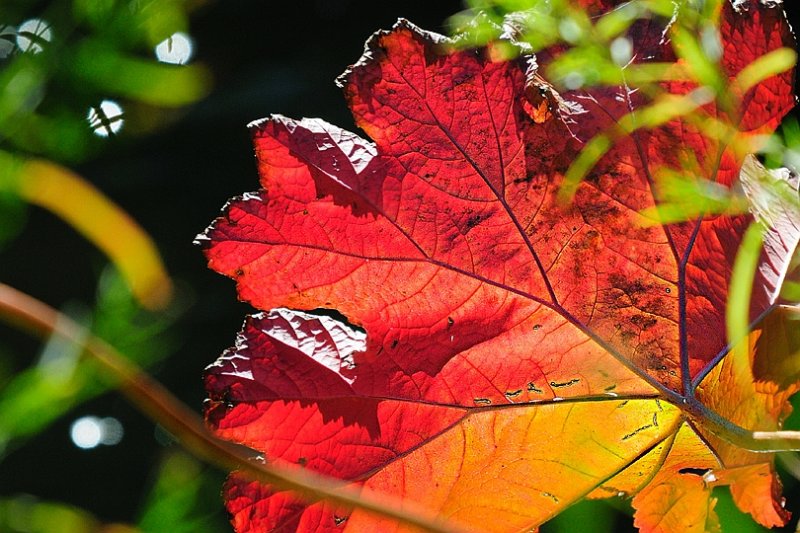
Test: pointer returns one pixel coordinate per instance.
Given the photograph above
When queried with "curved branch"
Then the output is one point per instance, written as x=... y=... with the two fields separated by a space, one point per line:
x=161 y=406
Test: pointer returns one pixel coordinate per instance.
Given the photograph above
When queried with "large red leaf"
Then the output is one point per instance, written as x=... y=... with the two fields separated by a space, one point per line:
x=519 y=354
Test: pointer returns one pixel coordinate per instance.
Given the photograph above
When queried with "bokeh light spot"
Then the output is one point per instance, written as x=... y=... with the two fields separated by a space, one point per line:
x=33 y=34
x=86 y=432
x=89 y=432
x=8 y=35
x=176 y=49
x=105 y=119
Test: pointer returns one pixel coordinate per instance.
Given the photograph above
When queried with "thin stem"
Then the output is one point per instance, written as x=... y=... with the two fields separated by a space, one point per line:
x=182 y=422
x=754 y=441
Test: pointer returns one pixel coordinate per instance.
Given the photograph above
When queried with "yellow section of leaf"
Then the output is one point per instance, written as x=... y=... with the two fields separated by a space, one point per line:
x=510 y=452
x=682 y=450
x=102 y=222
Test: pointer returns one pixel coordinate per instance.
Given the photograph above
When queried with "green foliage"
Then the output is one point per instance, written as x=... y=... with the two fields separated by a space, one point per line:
x=180 y=498
x=78 y=54
x=62 y=379
x=61 y=64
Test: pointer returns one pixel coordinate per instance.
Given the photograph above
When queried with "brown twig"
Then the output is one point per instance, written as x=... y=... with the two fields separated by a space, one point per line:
x=182 y=422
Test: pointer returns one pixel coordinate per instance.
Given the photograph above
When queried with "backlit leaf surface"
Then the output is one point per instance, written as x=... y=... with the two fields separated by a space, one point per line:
x=516 y=353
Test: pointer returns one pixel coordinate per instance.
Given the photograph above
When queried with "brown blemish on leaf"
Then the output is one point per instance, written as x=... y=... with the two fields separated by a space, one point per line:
x=643 y=321
x=637 y=431
x=533 y=388
x=569 y=383
x=551 y=496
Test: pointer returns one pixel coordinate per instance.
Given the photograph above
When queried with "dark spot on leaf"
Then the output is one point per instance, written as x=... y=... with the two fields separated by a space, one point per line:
x=513 y=394
x=305 y=211
x=569 y=383
x=637 y=431
x=461 y=78
x=533 y=388
x=302 y=461
x=550 y=495
x=450 y=321
x=643 y=321
x=668 y=290
x=473 y=221
x=239 y=272
x=339 y=520
x=394 y=344
x=537 y=327
x=483 y=401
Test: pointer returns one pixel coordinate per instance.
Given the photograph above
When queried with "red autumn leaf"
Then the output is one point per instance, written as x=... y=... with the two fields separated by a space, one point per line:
x=517 y=354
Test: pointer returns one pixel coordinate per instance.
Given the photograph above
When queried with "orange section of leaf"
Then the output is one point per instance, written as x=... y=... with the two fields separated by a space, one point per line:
x=677 y=498
x=746 y=389
x=756 y=489
x=460 y=473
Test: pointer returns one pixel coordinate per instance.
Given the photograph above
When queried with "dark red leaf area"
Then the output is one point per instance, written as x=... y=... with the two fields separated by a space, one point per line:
x=291 y=366
x=747 y=36
x=704 y=250
x=255 y=508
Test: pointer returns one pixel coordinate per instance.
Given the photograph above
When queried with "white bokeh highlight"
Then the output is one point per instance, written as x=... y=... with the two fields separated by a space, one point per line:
x=176 y=49
x=32 y=34
x=90 y=432
x=105 y=119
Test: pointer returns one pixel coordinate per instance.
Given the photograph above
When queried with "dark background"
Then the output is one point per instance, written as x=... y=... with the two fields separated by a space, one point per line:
x=266 y=57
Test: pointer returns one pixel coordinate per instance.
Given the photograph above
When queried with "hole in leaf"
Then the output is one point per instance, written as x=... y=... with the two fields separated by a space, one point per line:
x=336 y=315
x=694 y=471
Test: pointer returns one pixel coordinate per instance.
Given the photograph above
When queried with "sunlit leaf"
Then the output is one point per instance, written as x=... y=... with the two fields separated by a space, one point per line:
x=510 y=353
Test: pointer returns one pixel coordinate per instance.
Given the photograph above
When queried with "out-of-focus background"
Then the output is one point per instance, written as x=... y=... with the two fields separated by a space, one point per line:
x=72 y=456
